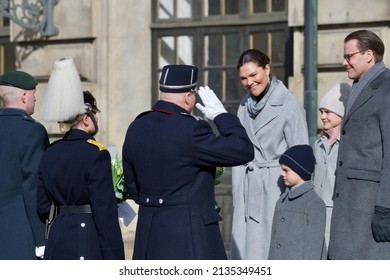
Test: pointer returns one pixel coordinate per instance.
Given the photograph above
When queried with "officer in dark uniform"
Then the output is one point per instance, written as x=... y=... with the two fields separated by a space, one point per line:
x=75 y=175
x=169 y=160
x=22 y=144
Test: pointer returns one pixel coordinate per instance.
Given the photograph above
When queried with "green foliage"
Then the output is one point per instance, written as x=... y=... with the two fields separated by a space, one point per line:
x=218 y=173
x=118 y=180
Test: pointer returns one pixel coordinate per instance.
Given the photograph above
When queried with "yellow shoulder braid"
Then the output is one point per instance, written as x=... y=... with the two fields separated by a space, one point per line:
x=97 y=144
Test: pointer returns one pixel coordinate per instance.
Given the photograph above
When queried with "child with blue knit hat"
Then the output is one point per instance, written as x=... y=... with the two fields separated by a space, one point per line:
x=298 y=226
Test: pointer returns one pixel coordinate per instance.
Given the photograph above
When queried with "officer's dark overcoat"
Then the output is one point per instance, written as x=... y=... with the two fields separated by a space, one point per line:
x=75 y=172
x=169 y=159
x=22 y=144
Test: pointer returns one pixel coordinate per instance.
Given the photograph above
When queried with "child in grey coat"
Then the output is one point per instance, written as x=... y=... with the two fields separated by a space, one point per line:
x=298 y=226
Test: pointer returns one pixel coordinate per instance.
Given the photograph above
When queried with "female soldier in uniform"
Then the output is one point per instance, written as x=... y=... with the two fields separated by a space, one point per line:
x=75 y=176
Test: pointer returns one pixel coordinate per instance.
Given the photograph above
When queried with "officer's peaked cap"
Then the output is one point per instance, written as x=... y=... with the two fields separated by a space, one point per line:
x=18 y=79
x=178 y=78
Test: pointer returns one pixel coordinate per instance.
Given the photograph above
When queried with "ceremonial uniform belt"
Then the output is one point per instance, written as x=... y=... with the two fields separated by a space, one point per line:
x=171 y=200
x=74 y=209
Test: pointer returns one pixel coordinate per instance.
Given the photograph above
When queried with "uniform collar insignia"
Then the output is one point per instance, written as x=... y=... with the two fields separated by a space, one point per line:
x=97 y=144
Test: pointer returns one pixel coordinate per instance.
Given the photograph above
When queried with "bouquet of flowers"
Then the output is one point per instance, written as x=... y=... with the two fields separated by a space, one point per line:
x=118 y=181
x=125 y=213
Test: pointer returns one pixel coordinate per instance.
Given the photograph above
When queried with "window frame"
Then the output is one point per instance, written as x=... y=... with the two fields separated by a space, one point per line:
x=243 y=23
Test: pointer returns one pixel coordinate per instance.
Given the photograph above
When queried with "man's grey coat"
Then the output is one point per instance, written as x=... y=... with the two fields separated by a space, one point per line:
x=363 y=174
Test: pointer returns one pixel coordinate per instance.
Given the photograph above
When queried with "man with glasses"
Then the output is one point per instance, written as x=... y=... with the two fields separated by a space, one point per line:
x=360 y=226
x=169 y=162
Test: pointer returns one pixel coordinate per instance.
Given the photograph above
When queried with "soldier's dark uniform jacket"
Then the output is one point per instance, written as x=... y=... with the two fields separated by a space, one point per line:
x=22 y=144
x=169 y=159
x=77 y=171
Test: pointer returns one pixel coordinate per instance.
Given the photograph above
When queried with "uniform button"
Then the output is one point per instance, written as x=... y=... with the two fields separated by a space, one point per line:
x=82 y=224
x=282 y=219
x=160 y=201
x=343 y=131
x=337 y=194
x=340 y=163
x=278 y=245
x=81 y=258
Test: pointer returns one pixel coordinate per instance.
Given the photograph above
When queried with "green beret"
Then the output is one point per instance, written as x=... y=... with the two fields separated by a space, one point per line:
x=18 y=79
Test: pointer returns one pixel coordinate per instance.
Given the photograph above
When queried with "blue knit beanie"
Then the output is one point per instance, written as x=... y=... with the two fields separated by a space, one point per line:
x=300 y=159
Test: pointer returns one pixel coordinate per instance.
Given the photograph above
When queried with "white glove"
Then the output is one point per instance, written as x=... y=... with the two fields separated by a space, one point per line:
x=212 y=106
x=40 y=251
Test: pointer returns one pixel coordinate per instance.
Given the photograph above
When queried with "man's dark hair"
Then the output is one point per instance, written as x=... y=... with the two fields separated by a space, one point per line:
x=368 y=40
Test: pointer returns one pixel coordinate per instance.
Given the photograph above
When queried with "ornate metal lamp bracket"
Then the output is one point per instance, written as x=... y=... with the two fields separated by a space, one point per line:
x=37 y=16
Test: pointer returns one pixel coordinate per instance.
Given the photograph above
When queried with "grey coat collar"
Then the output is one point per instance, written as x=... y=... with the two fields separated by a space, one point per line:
x=293 y=193
x=270 y=110
x=367 y=93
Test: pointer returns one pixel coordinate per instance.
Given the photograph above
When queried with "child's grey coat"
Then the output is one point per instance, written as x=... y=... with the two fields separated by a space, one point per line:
x=298 y=226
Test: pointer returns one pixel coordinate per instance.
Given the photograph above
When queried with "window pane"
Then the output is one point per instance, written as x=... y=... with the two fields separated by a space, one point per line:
x=213 y=50
x=278 y=43
x=212 y=7
x=166 y=9
x=214 y=79
x=278 y=5
x=259 y=6
x=7 y=55
x=184 y=8
x=167 y=51
x=4 y=21
x=184 y=46
x=231 y=7
x=233 y=85
x=260 y=42
x=232 y=48
x=278 y=72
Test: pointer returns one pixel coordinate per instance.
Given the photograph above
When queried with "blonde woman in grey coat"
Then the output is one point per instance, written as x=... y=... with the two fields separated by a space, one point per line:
x=274 y=121
x=331 y=107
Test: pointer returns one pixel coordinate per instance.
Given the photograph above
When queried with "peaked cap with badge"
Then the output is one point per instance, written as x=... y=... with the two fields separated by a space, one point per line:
x=178 y=78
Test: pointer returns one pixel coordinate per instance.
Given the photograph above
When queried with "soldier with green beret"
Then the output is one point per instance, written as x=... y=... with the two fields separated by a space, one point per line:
x=22 y=143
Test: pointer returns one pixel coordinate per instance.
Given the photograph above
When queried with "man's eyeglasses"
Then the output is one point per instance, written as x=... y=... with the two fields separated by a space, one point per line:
x=348 y=57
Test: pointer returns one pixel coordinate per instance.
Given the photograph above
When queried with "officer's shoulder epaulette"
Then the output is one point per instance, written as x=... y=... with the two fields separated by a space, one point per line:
x=29 y=118
x=97 y=144
x=143 y=114
x=192 y=116
x=55 y=142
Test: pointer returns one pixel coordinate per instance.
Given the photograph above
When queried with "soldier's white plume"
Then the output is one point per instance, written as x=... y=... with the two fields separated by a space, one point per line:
x=63 y=99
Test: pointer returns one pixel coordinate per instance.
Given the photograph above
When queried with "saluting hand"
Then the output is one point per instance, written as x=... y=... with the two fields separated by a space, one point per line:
x=212 y=106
